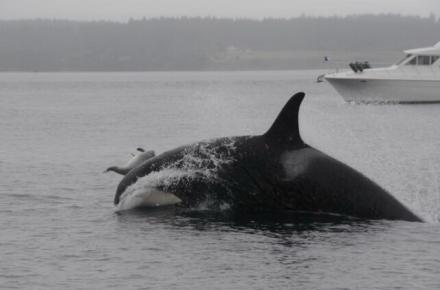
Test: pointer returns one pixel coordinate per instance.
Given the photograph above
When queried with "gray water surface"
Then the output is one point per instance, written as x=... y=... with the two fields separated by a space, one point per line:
x=59 y=229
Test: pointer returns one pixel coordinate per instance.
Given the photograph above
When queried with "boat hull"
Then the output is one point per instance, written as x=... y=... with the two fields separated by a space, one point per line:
x=386 y=90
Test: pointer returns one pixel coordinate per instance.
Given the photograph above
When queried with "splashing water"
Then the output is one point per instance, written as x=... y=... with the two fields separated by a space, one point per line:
x=200 y=162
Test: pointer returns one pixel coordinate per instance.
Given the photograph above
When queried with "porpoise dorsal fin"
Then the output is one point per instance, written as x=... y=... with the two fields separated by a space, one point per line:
x=285 y=129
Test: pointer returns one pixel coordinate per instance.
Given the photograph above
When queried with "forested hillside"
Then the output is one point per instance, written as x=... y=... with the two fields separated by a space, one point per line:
x=208 y=43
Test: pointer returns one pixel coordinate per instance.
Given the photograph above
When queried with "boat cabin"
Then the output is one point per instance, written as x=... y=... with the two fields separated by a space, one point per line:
x=422 y=56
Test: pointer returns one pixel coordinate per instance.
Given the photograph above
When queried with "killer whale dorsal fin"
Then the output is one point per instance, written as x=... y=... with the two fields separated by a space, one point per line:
x=285 y=128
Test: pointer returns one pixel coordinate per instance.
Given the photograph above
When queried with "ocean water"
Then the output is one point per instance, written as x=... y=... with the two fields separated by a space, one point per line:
x=60 y=230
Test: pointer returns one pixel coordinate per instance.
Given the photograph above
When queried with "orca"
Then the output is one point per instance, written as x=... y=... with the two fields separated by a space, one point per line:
x=274 y=171
x=136 y=160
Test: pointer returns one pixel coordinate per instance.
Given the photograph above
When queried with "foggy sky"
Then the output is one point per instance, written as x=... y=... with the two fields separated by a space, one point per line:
x=122 y=10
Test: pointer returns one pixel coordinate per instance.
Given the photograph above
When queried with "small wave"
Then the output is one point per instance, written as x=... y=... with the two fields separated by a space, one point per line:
x=38 y=197
x=21 y=195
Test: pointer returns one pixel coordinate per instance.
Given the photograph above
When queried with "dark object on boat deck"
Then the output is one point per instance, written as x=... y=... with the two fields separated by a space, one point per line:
x=366 y=64
x=353 y=67
x=359 y=66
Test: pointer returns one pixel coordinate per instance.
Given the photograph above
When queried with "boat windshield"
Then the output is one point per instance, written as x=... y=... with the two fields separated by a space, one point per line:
x=404 y=59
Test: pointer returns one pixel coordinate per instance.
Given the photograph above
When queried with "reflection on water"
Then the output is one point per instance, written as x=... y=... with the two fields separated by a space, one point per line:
x=287 y=248
x=286 y=222
x=290 y=229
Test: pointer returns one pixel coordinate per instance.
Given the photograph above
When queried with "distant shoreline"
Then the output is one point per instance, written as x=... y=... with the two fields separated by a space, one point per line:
x=210 y=44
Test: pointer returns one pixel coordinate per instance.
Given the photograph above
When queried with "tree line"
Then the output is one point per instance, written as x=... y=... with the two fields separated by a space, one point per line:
x=204 y=43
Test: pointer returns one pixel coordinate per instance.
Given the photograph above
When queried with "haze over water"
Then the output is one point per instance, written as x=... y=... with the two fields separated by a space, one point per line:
x=121 y=11
x=59 y=229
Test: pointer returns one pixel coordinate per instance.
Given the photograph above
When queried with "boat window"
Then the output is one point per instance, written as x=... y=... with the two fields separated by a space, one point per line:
x=403 y=59
x=424 y=60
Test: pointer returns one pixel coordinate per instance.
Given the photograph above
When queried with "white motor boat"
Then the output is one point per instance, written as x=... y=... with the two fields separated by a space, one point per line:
x=414 y=79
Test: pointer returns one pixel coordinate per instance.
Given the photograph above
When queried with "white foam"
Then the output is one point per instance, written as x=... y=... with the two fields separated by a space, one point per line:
x=200 y=161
